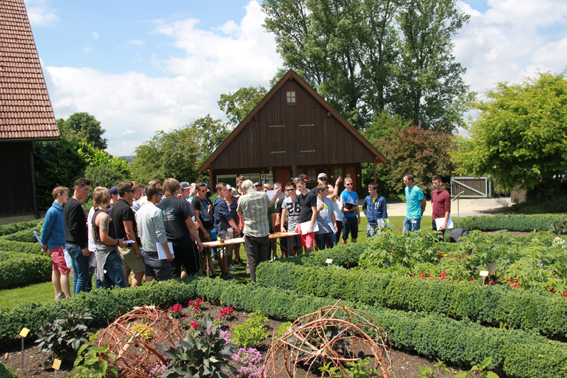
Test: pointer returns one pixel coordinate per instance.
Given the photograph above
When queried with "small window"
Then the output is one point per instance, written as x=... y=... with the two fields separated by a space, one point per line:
x=338 y=172
x=312 y=175
x=290 y=97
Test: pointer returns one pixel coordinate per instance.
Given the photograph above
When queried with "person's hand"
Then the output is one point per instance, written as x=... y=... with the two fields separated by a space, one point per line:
x=44 y=248
x=358 y=220
x=199 y=246
x=443 y=227
x=122 y=243
x=284 y=230
x=339 y=180
x=85 y=252
x=169 y=256
x=236 y=231
x=207 y=236
x=321 y=207
x=309 y=230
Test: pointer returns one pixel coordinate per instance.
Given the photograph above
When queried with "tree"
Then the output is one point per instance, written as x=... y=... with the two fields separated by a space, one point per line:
x=237 y=105
x=519 y=136
x=423 y=153
x=105 y=175
x=429 y=86
x=83 y=127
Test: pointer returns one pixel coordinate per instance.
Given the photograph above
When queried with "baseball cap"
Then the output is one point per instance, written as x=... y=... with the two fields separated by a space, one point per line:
x=257 y=184
x=302 y=176
x=322 y=175
x=228 y=187
x=114 y=191
x=185 y=185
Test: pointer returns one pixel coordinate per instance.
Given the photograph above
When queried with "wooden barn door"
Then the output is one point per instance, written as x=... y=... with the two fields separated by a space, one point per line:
x=283 y=176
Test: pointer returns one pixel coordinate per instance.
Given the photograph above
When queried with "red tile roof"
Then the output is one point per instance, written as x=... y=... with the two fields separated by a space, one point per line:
x=25 y=108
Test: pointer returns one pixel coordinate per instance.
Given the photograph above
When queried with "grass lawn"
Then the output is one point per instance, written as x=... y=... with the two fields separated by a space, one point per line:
x=43 y=293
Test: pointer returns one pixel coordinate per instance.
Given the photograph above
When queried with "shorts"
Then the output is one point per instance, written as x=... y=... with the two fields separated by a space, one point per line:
x=58 y=257
x=160 y=269
x=227 y=249
x=131 y=261
x=350 y=225
x=306 y=239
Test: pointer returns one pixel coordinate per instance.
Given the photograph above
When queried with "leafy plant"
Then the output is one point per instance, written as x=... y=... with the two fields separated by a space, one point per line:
x=282 y=329
x=145 y=331
x=204 y=353
x=559 y=227
x=93 y=361
x=356 y=369
x=476 y=371
x=252 y=331
x=65 y=336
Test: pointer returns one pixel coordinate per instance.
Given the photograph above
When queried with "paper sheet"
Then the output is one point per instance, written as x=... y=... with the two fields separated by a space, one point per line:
x=305 y=227
x=332 y=226
x=439 y=222
x=271 y=194
x=162 y=255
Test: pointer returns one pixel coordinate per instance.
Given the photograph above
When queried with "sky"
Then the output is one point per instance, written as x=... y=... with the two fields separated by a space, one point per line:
x=144 y=66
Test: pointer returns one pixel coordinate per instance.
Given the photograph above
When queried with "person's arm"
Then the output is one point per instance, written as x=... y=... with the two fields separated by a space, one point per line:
x=384 y=208
x=103 y=222
x=199 y=225
x=313 y=218
x=224 y=211
x=283 y=218
x=365 y=207
x=447 y=206
x=131 y=235
x=46 y=229
x=192 y=227
x=357 y=212
x=423 y=202
x=161 y=235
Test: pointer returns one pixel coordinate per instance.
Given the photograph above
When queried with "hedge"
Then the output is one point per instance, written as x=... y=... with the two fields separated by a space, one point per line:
x=518 y=353
x=512 y=222
x=345 y=255
x=21 y=247
x=23 y=269
x=7 y=229
x=498 y=306
x=25 y=236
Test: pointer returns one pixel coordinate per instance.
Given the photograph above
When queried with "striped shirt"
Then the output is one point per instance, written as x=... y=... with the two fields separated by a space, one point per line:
x=254 y=207
x=374 y=209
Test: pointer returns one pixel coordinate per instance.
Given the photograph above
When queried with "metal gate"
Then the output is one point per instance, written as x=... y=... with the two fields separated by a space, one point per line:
x=472 y=187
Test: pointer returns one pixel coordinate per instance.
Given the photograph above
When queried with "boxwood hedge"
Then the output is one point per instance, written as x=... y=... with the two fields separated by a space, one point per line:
x=498 y=306
x=7 y=229
x=511 y=222
x=21 y=247
x=21 y=269
x=25 y=236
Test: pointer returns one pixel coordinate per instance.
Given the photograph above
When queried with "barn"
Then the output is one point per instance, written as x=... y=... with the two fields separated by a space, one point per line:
x=292 y=131
x=26 y=115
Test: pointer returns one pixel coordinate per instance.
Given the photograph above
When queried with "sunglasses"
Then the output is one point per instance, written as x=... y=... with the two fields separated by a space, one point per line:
x=349 y=184
x=289 y=190
x=323 y=179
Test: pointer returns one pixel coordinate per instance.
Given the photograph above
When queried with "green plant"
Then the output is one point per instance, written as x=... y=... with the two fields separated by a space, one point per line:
x=63 y=338
x=20 y=247
x=11 y=228
x=559 y=227
x=251 y=332
x=203 y=353
x=356 y=369
x=25 y=236
x=19 y=269
x=476 y=371
x=93 y=361
x=282 y=329
x=144 y=331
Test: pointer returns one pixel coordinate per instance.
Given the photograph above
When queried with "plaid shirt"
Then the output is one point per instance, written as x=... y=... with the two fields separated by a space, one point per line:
x=374 y=209
x=254 y=206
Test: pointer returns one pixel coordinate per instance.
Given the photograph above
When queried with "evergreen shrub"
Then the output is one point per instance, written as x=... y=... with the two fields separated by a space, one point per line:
x=21 y=269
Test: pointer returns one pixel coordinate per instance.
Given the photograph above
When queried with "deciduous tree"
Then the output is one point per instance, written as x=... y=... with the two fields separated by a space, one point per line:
x=83 y=127
x=237 y=105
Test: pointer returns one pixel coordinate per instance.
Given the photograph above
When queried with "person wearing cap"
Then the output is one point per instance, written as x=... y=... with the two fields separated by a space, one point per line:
x=258 y=186
x=114 y=197
x=321 y=179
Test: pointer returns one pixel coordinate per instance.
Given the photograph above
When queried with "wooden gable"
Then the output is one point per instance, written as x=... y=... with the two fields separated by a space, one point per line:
x=277 y=133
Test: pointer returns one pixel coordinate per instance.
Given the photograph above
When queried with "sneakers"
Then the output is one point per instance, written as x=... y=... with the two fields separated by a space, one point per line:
x=227 y=276
x=231 y=268
x=239 y=262
x=60 y=296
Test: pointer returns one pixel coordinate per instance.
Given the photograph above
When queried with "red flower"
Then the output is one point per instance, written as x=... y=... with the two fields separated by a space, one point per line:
x=564 y=294
x=472 y=280
x=491 y=282
x=440 y=255
x=460 y=276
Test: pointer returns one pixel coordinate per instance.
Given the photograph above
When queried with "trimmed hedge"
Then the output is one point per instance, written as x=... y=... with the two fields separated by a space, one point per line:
x=25 y=236
x=518 y=353
x=23 y=269
x=498 y=306
x=20 y=247
x=345 y=255
x=512 y=222
x=7 y=229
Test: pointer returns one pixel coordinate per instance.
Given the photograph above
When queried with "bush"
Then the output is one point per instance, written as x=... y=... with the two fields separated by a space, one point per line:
x=22 y=269
x=20 y=247
x=346 y=255
x=525 y=223
x=7 y=229
x=105 y=175
x=24 y=236
x=498 y=306
x=552 y=205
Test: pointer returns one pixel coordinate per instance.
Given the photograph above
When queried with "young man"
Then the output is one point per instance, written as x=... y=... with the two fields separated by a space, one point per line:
x=325 y=218
x=179 y=227
x=76 y=239
x=253 y=208
x=151 y=230
x=308 y=202
x=441 y=205
x=125 y=227
x=53 y=239
x=203 y=208
x=415 y=205
x=279 y=223
x=138 y=192
x=226 y=227
x=374 y=207
x=289 y=217
x=321 y=179
x=114 y=197
x=351 y=213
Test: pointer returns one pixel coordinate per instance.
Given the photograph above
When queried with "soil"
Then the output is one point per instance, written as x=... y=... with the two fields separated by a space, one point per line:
x=403 y=364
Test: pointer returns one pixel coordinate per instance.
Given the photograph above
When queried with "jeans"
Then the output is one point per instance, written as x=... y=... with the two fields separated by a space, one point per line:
x=113 y=272
x=80 y=268
x=411 y=224
x=324 y=240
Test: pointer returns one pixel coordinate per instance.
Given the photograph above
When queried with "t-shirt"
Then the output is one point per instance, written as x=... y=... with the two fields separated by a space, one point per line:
x=413 y=199
x=175 y=212
x=204 y=206
x=324 y=217
x=75 y=223
x=120 y=213
x=306 y=202
x=293 y=209
x=352 y=198
x=440 y=203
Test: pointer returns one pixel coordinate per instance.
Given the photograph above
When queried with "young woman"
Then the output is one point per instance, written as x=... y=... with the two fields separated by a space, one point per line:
x=337 y=208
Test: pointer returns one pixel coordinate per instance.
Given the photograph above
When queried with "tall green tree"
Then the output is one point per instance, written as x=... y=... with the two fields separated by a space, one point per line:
x=519 y=136
x=83 y=127
x=237 y=105
x=429 y=86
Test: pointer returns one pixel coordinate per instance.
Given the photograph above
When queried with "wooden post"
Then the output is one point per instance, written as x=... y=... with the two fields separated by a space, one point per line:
x=293 y=171
x=374 y=170
x=211 y=180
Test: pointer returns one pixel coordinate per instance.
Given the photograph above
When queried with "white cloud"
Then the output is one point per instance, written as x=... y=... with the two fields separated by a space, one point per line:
x=87 y=49
x=95 y=36
x=134 y=42
x=133 y=106
x=40 y=14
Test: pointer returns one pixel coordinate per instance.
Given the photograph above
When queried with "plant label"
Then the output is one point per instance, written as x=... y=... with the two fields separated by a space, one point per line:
x=56 y=364
x=24 y=332
x=329 y=261
x=483 y=273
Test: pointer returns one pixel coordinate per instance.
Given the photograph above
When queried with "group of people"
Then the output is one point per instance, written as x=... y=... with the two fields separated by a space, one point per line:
x=156 y=231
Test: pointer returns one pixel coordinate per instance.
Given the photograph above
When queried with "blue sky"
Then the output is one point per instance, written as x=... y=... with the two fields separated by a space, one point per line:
x=142 y=66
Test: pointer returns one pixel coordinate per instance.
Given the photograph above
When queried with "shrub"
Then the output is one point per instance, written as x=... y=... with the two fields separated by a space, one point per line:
x=22 y=269
x=25 y=236
x=16 y=246
x=93 y=360
x=525 y=223
x=7 y=229
x=251 y=332
x=6 y=372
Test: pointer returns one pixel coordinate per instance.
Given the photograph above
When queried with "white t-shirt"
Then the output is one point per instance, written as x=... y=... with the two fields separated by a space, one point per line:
x=324 y=217
x=338 y=210
x=293 y=209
